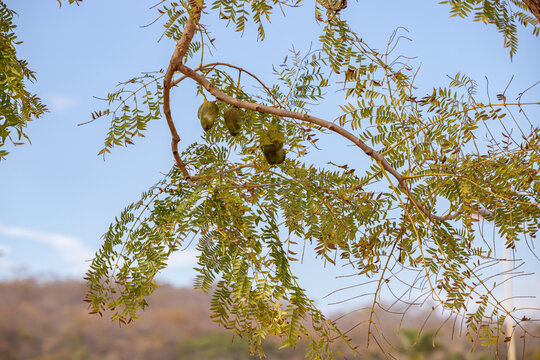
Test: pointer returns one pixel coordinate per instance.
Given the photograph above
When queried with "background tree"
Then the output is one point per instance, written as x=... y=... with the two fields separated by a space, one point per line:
x=17 y=105
x=412 y=210
x=419 y=346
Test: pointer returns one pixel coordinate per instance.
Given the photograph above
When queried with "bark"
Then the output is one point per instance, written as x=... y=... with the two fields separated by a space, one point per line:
x=179 y=52
x=534 y=7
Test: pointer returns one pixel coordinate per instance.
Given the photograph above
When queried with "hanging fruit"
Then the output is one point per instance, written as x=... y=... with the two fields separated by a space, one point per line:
x=208 y=112
x=233 y=120
x=274 y=139
x=274 y=157
x=273 y=146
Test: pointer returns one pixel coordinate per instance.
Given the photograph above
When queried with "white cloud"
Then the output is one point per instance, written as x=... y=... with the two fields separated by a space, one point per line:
x=4 y=250
x=60 y=102
x=69 y=248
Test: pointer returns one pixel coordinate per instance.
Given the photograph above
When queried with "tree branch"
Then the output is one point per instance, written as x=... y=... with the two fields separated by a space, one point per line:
x=180 y=50
x=214 y=64
x=239 y=167
x=534 y=7
x=212 y=89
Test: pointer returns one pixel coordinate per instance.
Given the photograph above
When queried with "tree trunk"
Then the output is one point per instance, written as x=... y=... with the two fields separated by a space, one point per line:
x=534 y=7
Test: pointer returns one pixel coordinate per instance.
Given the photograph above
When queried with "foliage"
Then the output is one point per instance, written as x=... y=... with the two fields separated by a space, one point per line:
x=70 y=2
x=505 y=15
x=419 y=346
x=410 y=213
x=17 y=105
x=130 y=121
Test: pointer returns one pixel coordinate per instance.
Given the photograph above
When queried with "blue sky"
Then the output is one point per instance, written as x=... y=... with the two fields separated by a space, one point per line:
x=57 y=197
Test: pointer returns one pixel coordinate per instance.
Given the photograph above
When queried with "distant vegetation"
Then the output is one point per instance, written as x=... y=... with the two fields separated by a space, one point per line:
x=50 y=322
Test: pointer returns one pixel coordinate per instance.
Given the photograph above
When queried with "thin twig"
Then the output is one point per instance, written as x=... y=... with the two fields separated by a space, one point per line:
x=234 y=67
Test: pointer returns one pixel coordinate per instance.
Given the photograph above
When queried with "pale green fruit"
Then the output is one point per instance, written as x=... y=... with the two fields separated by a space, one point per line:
x=274 y=157
x=233 y=120
x=208 y=113
x=275 y=140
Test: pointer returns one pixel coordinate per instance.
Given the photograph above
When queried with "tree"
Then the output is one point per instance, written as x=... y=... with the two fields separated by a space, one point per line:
x=412 y=210
x=17 y=105
x=419 y=346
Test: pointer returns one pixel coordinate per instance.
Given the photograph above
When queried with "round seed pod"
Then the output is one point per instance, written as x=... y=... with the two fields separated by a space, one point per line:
x=233 y=120
x=274 y=146
x=275 y=140
x=207 y=114
x=274 y=157
x=269 y=148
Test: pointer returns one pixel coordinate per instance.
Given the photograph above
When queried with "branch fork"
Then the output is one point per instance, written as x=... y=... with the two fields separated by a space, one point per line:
x=176 y=64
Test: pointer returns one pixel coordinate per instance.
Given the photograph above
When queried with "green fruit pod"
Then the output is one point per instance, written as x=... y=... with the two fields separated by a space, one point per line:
x=274 y=157
x=274 y=140
x=207 y=114
x=233 y=120
x=274 y=146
